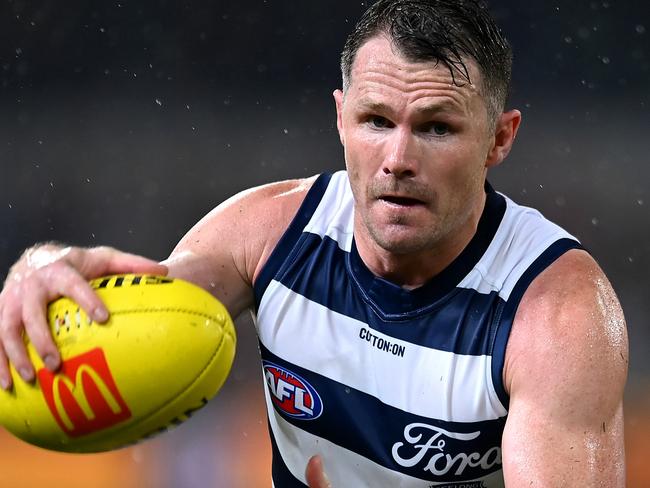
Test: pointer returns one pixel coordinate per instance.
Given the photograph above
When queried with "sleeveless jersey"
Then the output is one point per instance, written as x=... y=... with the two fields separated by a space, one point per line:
x=393 y=387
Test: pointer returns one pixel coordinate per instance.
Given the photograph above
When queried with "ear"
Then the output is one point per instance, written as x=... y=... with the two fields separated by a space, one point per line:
x=338 y=99
x=504 y=136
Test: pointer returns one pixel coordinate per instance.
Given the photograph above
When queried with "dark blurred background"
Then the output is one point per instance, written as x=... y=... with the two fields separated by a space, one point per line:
x=124 y=122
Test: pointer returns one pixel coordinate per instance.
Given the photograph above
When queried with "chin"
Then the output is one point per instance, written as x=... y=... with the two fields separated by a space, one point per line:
x=411 y=241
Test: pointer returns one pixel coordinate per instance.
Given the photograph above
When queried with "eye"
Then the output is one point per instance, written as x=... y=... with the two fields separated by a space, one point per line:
x=379 y=122
x=437 y=128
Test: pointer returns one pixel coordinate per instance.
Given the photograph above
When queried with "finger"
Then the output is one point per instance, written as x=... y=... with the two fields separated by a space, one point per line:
x=15 y=349
x=105 y=260
x=78 y=289
x=63 y=280
x=12 y=341
x=38 y=330
x=5 y=374
x=315 y=473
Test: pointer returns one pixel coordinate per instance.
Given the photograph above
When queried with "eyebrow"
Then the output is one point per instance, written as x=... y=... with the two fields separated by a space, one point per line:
x=380 y=107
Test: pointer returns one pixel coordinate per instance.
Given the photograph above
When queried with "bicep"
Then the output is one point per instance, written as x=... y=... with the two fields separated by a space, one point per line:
x=541 y=449
x=566 y=366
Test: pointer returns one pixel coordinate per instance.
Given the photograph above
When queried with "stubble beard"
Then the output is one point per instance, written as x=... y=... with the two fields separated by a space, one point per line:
x=397 y=237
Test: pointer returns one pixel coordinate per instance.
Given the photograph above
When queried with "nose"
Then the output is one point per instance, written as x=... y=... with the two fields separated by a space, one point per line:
x=401 y=160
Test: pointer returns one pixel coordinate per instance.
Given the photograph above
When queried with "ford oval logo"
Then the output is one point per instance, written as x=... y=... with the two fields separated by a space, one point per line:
x=291 y=394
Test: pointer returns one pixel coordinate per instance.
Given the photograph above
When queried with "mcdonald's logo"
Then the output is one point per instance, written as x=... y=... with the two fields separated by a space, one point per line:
x=83 y=396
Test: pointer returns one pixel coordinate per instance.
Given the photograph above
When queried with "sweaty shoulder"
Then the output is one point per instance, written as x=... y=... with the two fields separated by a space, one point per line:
x=228 y=247
x=270 y=209
x=570 y=313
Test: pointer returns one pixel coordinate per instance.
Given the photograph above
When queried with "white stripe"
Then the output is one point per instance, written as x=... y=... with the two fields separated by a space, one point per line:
x=334 y=215
x=342 y=466
x=311 y=336
x=524 y=234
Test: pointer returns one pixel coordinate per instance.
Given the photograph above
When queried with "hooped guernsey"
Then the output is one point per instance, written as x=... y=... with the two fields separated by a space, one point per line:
x=393 y=387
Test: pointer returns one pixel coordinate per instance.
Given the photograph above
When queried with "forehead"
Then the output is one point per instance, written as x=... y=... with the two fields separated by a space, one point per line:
x=379 y=70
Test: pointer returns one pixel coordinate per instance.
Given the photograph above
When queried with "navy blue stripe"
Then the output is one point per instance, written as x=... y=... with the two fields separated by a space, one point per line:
x=282 y=477
x=503 y=324
x=291 y=235
x=363 y=424
x=389 y=299
x=454 y=324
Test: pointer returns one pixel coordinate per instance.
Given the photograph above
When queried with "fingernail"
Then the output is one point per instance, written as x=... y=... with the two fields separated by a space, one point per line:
x=100 y=314
x=26 y=374
x=4 y=383
x=51 y=363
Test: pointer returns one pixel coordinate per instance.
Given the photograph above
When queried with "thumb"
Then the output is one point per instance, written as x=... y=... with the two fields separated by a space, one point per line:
x=315 y=474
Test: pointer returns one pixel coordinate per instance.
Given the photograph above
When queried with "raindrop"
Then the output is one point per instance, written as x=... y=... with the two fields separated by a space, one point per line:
x=630 y=259
x=605 y=60
x=594 y=222
x=639 y=201
x=286 y=131
x=19 y=51
x=10 y=205
x=568 y=39
x=87 y=180
x=640 y=29
x=102 y=30
x=158 y=102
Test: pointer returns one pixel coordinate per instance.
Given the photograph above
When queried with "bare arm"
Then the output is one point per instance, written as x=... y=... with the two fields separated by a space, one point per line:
x=225 y=251
x=566 y=366
x=222 y=253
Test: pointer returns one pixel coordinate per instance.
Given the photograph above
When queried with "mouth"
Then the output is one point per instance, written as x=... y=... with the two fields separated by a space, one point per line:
x=401 y=201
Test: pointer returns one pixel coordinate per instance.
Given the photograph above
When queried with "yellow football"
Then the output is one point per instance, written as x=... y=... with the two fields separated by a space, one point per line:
x=166 y=349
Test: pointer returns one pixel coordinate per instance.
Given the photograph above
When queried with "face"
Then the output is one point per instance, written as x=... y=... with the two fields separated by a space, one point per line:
x=417 y=148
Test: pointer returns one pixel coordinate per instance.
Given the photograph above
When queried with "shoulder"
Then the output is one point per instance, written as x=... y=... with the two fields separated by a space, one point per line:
x=227 y=248
x=569 y=335
x=253 y=220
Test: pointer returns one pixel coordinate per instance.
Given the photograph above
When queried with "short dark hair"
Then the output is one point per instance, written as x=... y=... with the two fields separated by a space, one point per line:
x=445 y=31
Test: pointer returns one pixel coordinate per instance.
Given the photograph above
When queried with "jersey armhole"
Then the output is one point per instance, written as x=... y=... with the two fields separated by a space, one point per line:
x=503 y=321
x=290 y=236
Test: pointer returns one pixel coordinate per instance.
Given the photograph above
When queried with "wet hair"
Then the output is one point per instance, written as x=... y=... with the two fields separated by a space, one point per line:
x=444 y=31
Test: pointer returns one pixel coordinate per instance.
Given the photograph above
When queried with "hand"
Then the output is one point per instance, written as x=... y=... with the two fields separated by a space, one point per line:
x=315 y=474
x=43 y=274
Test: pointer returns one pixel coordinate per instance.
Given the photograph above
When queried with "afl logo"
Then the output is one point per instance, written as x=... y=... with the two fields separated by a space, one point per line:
x=291 y=394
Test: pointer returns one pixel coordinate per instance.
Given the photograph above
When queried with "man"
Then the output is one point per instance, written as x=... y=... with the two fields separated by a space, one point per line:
x=416 y=327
